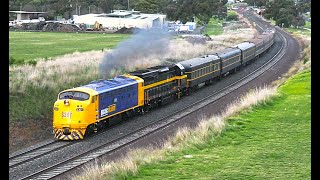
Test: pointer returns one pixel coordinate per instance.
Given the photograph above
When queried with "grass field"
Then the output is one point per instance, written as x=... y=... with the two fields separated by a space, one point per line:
x=214 y=27
x=26 y=46
x=270 y=141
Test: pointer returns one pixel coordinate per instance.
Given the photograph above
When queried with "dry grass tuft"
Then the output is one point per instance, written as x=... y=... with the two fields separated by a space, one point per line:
x=124 y=166
x=53 y=73
x=252 y=98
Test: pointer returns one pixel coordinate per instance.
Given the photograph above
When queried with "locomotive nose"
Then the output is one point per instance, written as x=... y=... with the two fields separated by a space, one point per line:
x=66 y=131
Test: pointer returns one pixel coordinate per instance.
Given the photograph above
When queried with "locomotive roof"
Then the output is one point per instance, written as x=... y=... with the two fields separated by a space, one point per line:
x=152 y=71
x=110 y=84
x=198 y=61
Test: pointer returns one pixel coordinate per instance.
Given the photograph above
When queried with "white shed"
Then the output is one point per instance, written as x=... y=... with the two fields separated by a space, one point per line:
x=119 y=19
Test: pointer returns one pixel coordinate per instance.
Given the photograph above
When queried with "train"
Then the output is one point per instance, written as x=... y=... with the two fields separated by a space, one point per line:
x=81 y=111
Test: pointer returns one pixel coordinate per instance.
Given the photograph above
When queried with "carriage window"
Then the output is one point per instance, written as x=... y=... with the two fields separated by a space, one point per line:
x=77 y=95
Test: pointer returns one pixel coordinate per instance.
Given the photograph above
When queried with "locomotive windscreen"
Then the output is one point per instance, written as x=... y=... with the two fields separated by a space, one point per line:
x=77 y=95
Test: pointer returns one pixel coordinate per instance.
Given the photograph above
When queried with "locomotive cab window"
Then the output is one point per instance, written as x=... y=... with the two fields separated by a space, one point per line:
x=93 y=99
x=77 y=95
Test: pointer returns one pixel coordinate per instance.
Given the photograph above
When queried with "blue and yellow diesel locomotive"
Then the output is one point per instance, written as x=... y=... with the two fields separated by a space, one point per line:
x=86 y=109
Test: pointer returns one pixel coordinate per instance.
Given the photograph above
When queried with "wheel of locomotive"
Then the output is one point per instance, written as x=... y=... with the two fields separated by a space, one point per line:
x=102 y=124
x=91 y=129
x=159 y=103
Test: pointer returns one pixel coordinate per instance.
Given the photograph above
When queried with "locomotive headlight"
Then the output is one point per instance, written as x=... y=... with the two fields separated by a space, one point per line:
x=66 y=102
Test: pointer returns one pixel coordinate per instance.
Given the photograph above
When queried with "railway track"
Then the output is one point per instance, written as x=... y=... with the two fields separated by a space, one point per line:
x=35 y=152
x=39 y=150
x=126 y=139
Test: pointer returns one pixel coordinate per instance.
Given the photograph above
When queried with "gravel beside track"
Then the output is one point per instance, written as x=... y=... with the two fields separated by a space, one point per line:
x=158 y=137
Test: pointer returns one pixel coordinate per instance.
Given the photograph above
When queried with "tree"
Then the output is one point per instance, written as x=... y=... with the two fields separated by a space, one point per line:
x=298 y=21
x=147 y=6
x=257 y=3
x=187 y=10
x=287 y=12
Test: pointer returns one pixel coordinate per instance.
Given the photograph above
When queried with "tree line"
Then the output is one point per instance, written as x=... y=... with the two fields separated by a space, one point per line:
x=183 y=10
x=286 y=13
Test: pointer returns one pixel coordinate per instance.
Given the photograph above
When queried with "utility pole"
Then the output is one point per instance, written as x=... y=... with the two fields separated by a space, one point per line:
x=89 y=9
x=128 y=5
x=79 y=10
x=20 y=6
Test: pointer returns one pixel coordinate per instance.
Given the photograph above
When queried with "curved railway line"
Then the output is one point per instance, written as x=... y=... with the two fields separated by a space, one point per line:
x=22 y=160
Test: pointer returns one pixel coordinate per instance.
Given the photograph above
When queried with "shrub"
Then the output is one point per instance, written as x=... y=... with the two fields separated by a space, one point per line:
x=14 y=61
x=32 y=62
x=232 y=17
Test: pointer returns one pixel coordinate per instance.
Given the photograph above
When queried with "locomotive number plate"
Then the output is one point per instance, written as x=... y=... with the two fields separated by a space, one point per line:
x=66 y=114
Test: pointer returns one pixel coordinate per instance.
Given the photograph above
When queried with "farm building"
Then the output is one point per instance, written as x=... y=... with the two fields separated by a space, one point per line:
x=123 y=18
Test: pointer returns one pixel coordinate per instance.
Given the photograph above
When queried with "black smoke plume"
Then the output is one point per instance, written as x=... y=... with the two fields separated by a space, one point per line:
x=141 y=45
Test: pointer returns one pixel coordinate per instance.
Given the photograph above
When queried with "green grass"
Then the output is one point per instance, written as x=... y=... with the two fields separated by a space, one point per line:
x=307 y=25
x=28 y=46
x=270 y=141
x=214 y=27
x=299 y=31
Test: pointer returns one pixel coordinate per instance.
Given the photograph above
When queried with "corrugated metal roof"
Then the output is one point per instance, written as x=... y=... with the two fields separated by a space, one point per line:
x=119 y=14
x=28 y=12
